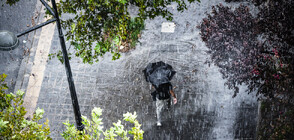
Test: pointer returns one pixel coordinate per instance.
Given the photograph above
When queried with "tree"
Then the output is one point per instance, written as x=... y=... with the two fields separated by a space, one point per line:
x=100 y=26
x=13 y=125
x=255 y=51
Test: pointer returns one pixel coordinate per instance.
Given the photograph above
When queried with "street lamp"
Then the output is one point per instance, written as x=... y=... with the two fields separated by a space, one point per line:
x=9 y=41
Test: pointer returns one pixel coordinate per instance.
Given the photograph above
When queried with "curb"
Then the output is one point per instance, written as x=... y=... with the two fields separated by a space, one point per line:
x=32 y=68
x=27 y=62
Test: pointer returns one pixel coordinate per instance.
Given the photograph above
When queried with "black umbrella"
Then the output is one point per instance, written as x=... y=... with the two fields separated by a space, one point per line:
x=158 y=73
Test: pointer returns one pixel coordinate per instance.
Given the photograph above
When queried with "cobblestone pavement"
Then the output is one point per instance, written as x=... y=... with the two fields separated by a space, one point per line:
x=205 y=109
x=17 y=18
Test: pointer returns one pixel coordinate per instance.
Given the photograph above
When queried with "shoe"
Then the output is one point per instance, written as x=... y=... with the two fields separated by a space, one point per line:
x=158 y=124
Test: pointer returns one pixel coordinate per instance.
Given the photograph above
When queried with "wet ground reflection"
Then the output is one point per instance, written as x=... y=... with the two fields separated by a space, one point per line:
x=183 y=127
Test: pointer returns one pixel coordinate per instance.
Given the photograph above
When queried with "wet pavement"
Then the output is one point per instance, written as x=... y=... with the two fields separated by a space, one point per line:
x=22 y=12
x=205 y=108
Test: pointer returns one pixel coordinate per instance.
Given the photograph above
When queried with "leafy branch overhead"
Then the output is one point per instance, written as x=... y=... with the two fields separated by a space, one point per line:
x=99 y=26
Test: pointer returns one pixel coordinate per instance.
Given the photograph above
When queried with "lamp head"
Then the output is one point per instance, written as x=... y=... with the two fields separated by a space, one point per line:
x=8 y=40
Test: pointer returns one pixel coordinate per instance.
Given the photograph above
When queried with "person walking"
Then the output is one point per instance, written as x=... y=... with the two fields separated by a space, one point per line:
x=159 y=75
x=162 y=96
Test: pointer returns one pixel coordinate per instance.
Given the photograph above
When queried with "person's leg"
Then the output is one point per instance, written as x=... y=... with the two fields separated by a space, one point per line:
x=159 y=106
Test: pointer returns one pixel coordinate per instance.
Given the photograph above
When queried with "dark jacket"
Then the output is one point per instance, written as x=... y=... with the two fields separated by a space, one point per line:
x=162 y=92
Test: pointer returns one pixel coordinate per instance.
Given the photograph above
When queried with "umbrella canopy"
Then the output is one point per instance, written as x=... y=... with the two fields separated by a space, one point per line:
x=158 y=73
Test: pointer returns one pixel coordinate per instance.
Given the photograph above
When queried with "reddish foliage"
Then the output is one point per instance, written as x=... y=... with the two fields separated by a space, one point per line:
x=256 y=51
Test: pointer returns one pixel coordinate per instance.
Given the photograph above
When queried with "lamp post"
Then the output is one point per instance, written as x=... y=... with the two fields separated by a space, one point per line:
x=9 y=41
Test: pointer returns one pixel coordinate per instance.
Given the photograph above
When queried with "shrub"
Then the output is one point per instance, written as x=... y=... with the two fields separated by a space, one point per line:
x=93 y=128
x=13 y=125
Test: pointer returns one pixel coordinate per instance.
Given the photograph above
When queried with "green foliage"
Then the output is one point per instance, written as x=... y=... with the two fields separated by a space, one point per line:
x=59 y=56
x=3 y=86
x=10 y=2
x=134 y=28
x=94 y=129
x=13 y=125
x=97 y=24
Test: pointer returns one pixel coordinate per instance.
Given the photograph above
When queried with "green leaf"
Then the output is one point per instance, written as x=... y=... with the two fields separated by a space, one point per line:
x=109 y=134
x=19 y=93
x=122 y=1
x=39 y=113
x=73 y=27
x=96 y=112
x=117 y=40
x=3 y=124
x=3 y=76
x=130 y=117
x=106 y=2
x=115 y=56
x=97 y=47
x=77 y=46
